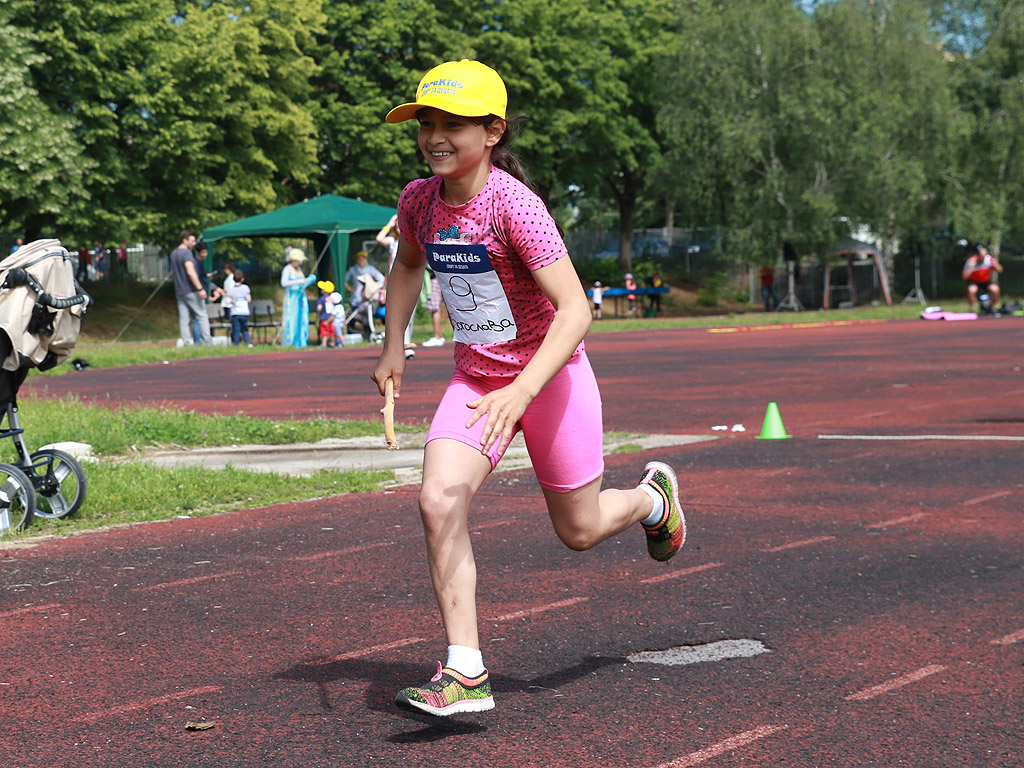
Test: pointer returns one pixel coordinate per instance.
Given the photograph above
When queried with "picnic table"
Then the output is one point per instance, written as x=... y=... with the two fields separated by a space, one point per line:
x=619 y=293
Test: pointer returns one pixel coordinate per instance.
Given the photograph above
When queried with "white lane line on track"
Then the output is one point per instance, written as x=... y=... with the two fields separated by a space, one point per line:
x=989 y=497
x=101 y=714
x=373 y=649
x=802 y=543
x=727 y=745
x=495 y=524
x=1010 y=639
x=336 y=552
x=30 y=609
x=911 y=677
x=539 y=609
x=898 y=520
x=679 y=574
x=1002 y=438
x=182 y=582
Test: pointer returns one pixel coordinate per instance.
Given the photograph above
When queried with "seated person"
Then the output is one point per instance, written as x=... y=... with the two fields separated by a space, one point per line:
x=363 y=311
x=978 y=274
x=358 y=277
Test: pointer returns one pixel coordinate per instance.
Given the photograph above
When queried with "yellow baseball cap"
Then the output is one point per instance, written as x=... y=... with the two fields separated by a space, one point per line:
x=466 y=88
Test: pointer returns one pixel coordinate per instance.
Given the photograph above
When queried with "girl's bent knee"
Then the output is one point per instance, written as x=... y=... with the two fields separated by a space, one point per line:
x=440 y=506
x=577 y=539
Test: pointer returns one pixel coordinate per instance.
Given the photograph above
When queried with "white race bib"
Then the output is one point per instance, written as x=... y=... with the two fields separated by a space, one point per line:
x=473 y=293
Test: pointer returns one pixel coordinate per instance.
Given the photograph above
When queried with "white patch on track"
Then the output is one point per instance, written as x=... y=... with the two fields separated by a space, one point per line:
x=696 y=654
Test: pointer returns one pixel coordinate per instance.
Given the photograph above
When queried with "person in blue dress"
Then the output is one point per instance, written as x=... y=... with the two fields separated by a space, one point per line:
x=295 y=314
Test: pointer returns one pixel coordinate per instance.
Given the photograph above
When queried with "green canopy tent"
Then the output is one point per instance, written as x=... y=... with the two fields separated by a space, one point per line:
x=327 y=219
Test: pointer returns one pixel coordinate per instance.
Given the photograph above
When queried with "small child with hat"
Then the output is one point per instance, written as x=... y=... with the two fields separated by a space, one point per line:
x=325 y=313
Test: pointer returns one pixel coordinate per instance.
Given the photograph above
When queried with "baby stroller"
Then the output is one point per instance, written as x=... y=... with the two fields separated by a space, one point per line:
x=364 y=312
x=41 y=310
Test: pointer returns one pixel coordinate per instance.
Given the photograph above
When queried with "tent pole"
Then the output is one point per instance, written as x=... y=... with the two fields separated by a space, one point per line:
x=791 y=301
x=917 y=294
x=139 y=312
x=323 y=250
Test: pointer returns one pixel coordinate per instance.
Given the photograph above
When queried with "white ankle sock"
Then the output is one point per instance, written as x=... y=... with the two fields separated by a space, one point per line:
x=659 y=505
x=468 y=661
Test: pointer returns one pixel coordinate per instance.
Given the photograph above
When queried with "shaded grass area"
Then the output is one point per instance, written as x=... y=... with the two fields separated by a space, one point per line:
x=141 y=312
x=106 y=355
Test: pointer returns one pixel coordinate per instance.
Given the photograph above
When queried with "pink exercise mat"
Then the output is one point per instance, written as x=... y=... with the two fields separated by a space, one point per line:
x=949 y=316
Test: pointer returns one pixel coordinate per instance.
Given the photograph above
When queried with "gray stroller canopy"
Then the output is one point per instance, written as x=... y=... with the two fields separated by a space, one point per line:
x=41 y=306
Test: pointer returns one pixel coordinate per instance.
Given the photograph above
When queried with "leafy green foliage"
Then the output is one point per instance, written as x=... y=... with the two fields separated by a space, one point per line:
x=40 y=168
x=788 y=123
x=187 y=113
x=896 y=116
x=771 y=119
x=987 y=188
x=372 y=55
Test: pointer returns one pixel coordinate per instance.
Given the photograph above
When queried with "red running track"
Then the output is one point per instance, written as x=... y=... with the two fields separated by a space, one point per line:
x=883 y=576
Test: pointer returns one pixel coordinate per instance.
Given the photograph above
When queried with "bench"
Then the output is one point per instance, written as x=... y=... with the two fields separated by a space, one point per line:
x=218 y=320
x=262 y=320
x=619 y=293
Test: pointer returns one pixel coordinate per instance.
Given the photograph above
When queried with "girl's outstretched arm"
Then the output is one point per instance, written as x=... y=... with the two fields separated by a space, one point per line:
x=504 y=407
x=404 y=283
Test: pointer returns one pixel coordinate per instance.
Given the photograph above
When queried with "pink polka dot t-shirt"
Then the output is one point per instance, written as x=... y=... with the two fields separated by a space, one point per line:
x=483 y=254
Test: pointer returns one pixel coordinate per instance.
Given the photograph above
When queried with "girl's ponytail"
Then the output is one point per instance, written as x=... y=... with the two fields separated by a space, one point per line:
x=502 y=156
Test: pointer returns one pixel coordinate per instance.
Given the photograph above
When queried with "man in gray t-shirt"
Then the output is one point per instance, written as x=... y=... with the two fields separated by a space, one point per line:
x=189 y=289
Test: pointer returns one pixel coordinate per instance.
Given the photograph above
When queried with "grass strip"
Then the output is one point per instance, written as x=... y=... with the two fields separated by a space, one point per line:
x=137 y=491
x=124 y=491
x=121 y=430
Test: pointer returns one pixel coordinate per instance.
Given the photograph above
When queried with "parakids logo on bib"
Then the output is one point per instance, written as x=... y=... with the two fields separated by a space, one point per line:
x=473 y=293
x=444 y=86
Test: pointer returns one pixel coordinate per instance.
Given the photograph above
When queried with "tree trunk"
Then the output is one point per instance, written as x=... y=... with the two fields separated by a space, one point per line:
x=626 y=198
x=670 y=218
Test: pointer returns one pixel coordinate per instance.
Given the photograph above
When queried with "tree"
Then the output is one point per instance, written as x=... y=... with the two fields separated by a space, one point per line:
x=236 y=132
x=893 y=134
x=186 y=112
x=592 y=105
x=372 y=55
x=40 y=167
x=616 y=142
x=748 y=106
x=987 y=189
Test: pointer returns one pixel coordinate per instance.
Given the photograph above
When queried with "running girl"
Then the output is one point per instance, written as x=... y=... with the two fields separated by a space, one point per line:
x=520 y=314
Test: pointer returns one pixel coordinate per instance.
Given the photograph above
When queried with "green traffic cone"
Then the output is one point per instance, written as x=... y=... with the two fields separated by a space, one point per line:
x=773 y=429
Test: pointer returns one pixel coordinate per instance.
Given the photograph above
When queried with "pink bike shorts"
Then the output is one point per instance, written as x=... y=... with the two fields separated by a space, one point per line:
x=562 y=426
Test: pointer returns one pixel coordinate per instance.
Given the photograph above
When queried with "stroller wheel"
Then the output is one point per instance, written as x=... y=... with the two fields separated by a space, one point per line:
x=59 y=482
x=17 y=499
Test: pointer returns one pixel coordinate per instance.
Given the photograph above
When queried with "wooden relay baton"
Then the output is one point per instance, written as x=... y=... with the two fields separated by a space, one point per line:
x=388 y=412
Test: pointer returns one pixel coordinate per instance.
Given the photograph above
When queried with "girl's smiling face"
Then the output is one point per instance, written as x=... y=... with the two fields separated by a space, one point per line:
x=456 y=147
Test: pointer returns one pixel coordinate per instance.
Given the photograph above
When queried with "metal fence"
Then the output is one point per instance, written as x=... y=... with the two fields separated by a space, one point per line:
x=694 y=255
x=690 y=254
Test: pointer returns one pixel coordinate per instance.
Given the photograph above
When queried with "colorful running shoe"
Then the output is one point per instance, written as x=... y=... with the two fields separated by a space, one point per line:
x=665 y=538
x=447 y=693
